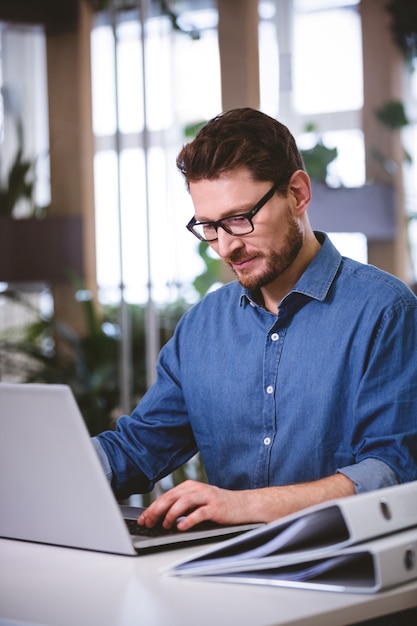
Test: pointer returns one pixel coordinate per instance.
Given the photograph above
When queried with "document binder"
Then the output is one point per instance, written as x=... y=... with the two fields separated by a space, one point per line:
x=366 y=568
x=318 y=534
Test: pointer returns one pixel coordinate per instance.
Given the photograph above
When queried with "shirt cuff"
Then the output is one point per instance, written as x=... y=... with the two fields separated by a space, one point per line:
x=370 y=474
x=103 y=458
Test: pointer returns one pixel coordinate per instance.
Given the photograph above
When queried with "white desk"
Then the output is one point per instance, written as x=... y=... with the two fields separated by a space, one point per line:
x=66 y=587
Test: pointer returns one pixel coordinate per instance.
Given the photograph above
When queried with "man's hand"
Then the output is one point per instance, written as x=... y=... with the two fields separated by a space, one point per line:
x=192 y=502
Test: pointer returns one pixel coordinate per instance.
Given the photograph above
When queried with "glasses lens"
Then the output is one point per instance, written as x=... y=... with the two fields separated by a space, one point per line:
x=237 y=225
x=205 y=232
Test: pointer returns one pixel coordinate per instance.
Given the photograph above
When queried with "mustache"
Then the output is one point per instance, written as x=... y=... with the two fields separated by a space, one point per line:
x=239 y=256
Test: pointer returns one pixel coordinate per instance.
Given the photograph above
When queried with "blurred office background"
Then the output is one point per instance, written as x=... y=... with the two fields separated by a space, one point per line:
x=97 y=98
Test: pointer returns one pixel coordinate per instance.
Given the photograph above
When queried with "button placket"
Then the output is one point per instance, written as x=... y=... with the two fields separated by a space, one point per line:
x=271 y=361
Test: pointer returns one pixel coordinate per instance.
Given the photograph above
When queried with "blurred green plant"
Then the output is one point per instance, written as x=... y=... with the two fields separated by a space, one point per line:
x=211 y=274
x=318 y=158
x=191 y=130
x=403 y=14
x=19 y=183
x=392 y=115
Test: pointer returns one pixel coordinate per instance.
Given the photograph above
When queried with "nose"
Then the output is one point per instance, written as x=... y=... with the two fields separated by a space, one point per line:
x=227 y=243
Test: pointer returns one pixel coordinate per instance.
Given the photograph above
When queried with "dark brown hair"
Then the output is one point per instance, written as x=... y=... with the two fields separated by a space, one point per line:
x=241 y=138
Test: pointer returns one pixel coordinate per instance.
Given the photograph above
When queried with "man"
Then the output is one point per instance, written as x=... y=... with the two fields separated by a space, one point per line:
x=297 y=382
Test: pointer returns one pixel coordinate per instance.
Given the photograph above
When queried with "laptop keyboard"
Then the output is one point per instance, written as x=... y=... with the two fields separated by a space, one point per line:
x=143 y=531
x=160 y=531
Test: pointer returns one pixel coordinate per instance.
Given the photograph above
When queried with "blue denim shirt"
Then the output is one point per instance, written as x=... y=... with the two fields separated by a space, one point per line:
x=330 y=384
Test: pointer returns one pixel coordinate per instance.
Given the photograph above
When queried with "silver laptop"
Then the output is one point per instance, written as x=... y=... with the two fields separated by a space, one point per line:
x=52 y=487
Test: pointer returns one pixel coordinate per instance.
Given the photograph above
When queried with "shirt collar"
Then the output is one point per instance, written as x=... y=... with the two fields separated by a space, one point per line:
x=318 y=277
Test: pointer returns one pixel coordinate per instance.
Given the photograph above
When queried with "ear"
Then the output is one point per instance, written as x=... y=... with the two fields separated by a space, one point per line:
x=300 y=189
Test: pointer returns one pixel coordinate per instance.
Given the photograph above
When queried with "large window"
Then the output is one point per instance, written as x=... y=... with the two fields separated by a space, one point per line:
x=145 y=93
x=24 y=110
x=318 y=85
x=318 y=82
x=327 y=68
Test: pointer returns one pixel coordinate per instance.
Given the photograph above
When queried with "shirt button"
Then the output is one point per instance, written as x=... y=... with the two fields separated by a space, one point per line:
x=267 y=441
x=274 y=336
x=270 y=389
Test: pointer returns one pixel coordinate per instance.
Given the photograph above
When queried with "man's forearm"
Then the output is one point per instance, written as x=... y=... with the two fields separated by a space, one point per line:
x=270 y=503
x=196 y=502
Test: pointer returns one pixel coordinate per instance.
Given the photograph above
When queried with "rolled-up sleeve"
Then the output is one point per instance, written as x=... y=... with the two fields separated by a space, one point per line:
x=370 y=474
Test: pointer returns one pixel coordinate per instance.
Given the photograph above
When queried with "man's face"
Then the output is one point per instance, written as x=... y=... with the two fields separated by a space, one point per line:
x=259 y=258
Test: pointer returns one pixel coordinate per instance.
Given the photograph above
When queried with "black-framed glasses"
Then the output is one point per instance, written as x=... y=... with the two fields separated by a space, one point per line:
x=236 y=225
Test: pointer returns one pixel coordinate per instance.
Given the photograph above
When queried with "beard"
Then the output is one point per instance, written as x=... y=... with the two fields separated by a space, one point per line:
x=277 y=262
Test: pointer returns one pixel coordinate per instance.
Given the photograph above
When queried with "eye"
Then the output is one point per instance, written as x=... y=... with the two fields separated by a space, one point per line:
x=237 y=220
x=209 y=230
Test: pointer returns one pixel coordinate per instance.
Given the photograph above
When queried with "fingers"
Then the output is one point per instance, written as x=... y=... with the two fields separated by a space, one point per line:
x=190 y=501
